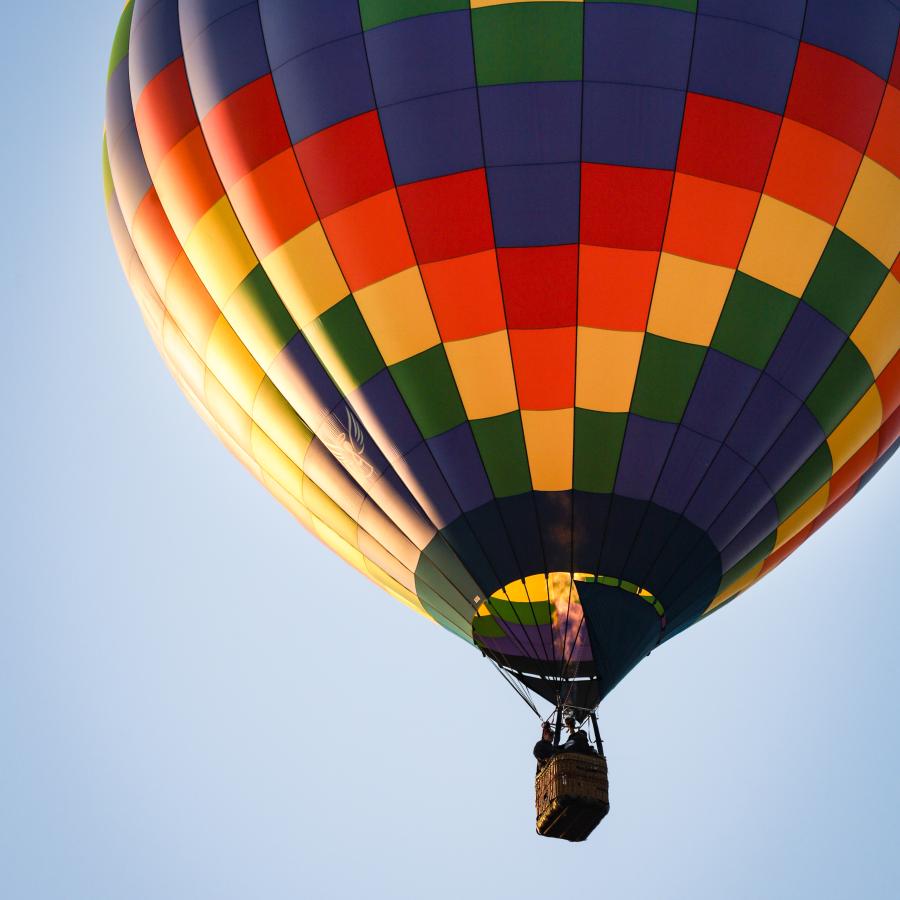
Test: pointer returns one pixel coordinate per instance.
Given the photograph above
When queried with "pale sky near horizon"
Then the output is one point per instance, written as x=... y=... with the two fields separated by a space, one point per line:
x=175 y=721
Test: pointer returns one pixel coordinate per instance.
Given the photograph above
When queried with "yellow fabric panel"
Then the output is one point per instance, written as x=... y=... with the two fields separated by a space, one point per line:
x=275 y=463
x=289 y=502
x=482 y=368
x=339 y=544
x=549 y=434
x=233 y=365
x=479 y=4
x=784 y=245
x=399 y=317
x=735 y=587
x=871 y=215
x=606 y=367
x=687 y=299
x=182 y=355
x=189 y=303
x=857 y=427
x=219 y=251
x=801 y=517
x=393 y=586
x=876 y=335
x=281 y=423
x=226 y=411
x=304 y=272
x=324 y=507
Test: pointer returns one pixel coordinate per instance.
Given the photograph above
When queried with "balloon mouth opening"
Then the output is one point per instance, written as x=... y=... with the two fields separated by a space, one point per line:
x=537 y=625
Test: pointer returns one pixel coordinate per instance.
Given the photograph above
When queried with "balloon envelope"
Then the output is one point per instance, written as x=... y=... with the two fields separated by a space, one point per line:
x=563 y=322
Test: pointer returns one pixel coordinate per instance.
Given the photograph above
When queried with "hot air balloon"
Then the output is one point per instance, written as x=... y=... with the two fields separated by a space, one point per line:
x=563 y=322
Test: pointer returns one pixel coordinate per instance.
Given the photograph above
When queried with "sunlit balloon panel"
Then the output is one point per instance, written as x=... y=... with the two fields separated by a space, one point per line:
x=486 y=293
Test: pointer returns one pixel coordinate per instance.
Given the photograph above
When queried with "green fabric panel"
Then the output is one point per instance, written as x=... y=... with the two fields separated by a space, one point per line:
x=487 y=627
x=520 y=613
x=256 y=303
x=520 y=42
x=501 y=444
x=804 y=482
x=108 y=188
x=846 y=380
x=665 y=378
x=686 y=5
x=121 y=40
x=345 y=329
x=753 y=558
x=449 y=602
x=752 y=321
x=844 y=282
x=379 y=12
x=429 y=389
x=598 y=443
x=439 y=556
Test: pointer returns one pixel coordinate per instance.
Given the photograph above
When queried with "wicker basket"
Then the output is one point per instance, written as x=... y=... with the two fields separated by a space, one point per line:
x=571 y=795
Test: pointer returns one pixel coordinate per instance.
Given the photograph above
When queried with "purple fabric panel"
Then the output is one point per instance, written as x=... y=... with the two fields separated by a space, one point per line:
x=759 y=528
x=722 y=388
x=458 y=458
x=752 y=496
x=393 y=496
x=382 y=408
x=765 y=416
x=806 y=349
x=800 y=440
x=723 y=478
x=305 y=384
x=643 y=453
x=684 y=469
x=426 y=483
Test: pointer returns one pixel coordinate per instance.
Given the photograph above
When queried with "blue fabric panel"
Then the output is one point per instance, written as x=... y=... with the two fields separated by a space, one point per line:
x=129 y=171
x=378 y=400
x=634 y=44
x=805 y=350
x=751 y=497
x=119 y=111
x=534 y=206
x=799 y=441
x=487 y=527
x=421 y=56
x=689 y=459
x=419 y=470
x=197 y=15
x=768 y=411
x=785 y=16
x=292 y=27
x=630 y=125
x=225 y=57
x=155 y=42
x=457 y=456
x=433 y=136
x=722 y=388
x=324 y=86
x=644 y=452
x=531 y=123
x=554 y=512
x=520 y=520
x=725 y=476
x=744 y=63
x=864 y=30
x=751 y=535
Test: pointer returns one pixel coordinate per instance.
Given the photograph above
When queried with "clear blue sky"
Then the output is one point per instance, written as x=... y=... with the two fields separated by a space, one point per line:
x=174 y=722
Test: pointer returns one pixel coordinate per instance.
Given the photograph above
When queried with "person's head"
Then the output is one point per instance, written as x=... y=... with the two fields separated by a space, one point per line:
x=546 y=731
x=570 y=724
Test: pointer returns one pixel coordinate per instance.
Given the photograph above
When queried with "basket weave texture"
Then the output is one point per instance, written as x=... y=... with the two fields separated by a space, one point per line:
x=571 y=795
